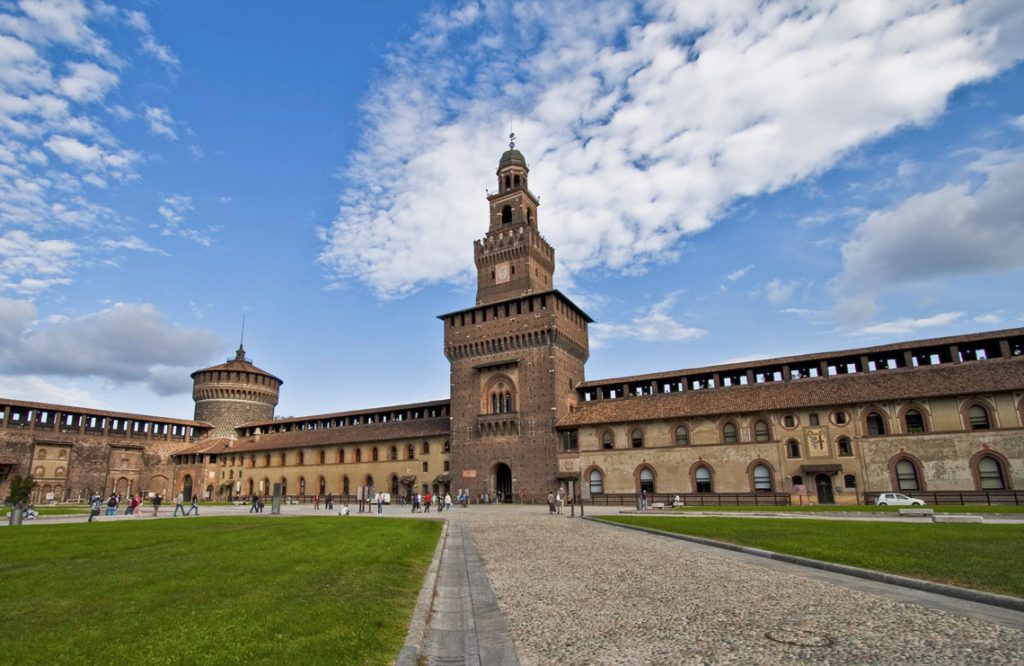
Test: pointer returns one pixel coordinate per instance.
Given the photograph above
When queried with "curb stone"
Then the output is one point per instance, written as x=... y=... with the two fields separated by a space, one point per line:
x=415 y=637
x=978 y=596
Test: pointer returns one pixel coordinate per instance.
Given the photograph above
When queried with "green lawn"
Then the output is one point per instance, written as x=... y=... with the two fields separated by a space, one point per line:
x=983 y=557
x=212 y=590
x=859 y=508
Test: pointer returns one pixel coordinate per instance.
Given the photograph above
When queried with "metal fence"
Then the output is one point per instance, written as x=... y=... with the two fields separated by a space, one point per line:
x=988 y=497
x=692 y=499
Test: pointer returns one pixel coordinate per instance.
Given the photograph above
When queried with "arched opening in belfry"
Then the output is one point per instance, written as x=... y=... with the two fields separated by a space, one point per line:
x=529 y=216
x=515 y=181
x=506 y=215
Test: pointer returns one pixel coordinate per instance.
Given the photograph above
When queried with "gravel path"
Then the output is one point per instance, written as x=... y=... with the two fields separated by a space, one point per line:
x=576 y=592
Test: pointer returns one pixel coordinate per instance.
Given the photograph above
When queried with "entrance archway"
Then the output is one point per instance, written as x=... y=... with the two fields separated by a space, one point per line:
x=823 y=482
x=186 y=487
x=503 y=481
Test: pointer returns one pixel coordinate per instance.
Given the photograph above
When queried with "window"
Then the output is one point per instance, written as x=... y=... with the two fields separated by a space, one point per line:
x=977 y=416
x=322 y=485
x=789 y=421
x=792 y=449
x=990 y=474
x=761 y=432
x=729 y=433
x=411 y=452
x=358 y=455
x=426 y=448
x=850 y=481
x=596 y=482
x=447 y=448
x=302 y=486
x=798 y=480
x=913 y=421
x=812 y=419
x=647 y=480
x=703 y=478
x=447 y=466
x=839 y=418
x=845 y=446
x=301 y=457
x=266 y=460
x=906 y=476
x=637 y=438
x=606 y=441
x=394 y=453
x=875 y=424
x=426 y=466
x=374 y=455
x=762 y=478
x=323 y=457
x=506 y=214
x=682 y=436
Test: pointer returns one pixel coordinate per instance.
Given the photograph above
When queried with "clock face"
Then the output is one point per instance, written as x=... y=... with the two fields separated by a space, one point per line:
x=501 y=273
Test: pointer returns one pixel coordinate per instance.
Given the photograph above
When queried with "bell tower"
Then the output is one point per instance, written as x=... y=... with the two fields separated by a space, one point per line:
x=516 y=356
x=513 y=259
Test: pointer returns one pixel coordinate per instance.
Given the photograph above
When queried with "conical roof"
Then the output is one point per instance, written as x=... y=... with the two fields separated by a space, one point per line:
x=238 y=364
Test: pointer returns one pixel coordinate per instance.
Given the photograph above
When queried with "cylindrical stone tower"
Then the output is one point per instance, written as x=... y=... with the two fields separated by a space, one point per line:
x=234 y=393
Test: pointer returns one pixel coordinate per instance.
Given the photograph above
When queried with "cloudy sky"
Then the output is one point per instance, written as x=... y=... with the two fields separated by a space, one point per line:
x=721 y=181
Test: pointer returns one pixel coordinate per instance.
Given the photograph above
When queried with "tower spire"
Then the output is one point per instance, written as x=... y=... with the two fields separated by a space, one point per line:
x=240 y=354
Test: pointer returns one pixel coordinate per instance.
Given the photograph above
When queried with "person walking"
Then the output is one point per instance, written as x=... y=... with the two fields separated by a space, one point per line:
x=179 y=504
x=255 y=501
x=134 y=506
x=195 y=505
x=380 y=504
x=415 y=502
x=112 y=504
x=157 y=501
x=643 y=500
x=559 y=501
x=316 y=502
x=447 y=502
x=551 y=503
x=329 y=502
x=94 y=507
x=260 y=504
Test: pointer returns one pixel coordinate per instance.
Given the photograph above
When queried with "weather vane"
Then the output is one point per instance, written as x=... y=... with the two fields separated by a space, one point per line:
x=511 y=137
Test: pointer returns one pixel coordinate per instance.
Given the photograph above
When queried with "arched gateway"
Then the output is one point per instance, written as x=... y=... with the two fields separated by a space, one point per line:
x=503 y=482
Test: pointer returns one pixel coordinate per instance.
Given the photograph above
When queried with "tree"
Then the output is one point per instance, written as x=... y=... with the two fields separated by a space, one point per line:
x=20 y=488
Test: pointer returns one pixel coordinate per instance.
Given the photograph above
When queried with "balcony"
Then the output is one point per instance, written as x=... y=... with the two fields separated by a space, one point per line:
x=497 y=425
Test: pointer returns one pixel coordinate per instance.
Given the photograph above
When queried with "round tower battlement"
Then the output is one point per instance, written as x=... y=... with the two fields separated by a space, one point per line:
x=233 y=393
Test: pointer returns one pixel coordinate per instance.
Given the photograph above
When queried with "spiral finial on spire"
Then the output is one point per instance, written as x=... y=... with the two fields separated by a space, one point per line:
x=511 y=140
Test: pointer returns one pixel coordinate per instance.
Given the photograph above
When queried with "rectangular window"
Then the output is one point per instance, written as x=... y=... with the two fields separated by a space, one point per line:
x=812 y=419
x=570 y=441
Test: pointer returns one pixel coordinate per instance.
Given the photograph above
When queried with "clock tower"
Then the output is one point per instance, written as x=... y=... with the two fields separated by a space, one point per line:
x=512 y=259
x=516 y=356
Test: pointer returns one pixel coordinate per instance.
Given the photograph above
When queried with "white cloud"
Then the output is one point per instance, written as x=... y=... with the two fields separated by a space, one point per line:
x=174 y=208
x=160 y=122
x=124 y=343
x=154 y=48
x=87 y=82
x=950 y=231
x=29 y=265
x=989 y=319
x=779 y=291
x=908 y=326
x=653 y=324
x=131 y=243
x=638 y=134
x=738 y=273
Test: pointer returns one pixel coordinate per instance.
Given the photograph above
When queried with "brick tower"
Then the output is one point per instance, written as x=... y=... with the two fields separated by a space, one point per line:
x=516 y=356
x=233 y=393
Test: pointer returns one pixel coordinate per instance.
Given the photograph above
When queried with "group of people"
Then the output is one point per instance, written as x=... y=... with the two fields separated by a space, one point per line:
x=133 y=505
x=426 y=501
x=556 y=502
x=328 y=502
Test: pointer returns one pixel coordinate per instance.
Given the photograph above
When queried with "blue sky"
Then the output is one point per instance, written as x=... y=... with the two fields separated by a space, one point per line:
x=721 y=181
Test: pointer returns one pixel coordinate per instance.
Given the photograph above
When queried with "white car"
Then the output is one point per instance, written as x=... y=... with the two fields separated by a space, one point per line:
x=897 y=499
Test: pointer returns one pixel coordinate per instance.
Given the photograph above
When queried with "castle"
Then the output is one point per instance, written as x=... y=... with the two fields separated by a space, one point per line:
x=941 y=416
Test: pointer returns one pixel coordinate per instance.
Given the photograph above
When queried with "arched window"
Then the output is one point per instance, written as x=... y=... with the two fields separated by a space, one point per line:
x=358 y=453
x=41 y=454
x=913 y=421
x=977 y=416
x=344 y=485
x=990 y=474
x=762 y=477
x=374 y=454
x=845 y=446
x=647 y=479
x=323 y=457
x=410 y=452
x=369 y=481
x=529 y=216
x=266 y=460
x=682 y=436
x=703 y=478
x=906 y=476
x=301 y=457
x=792 y=448
x=284 y=486
x=875 y=424
x=322 y=485
x=596 y=482
x=637 y=438
x=761 y=431
x=59 y=472
x=447 y=448
x=798 y=480
x=426 y=448
x=729 y=433
x=606 y=440
x=281 y=460
x=302 y=486
x=515 y=180
x=506 y=214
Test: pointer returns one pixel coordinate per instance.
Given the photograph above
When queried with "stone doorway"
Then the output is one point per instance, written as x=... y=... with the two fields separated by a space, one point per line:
x=823 y=482
x=187 y=487
x=503 y=482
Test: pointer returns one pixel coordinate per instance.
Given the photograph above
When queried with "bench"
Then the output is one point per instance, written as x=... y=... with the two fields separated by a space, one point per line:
x=917 y=512
x=657 y=505
x=956 y=518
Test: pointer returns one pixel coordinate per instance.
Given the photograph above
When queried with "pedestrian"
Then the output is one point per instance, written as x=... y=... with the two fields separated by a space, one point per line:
x=94 y=507
x=112 y=504
x=551 y=503
x=329 y=503
x=179 y=504
x=380 y=504
x=255 y=503
x=260 y=505
x=134 y=506
x=643 y=500
x=559 y=501
x=157 y=501
x=195 y=505
x=316 y=502
x=447 y=501
x=426 y=502
x=415 y=502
